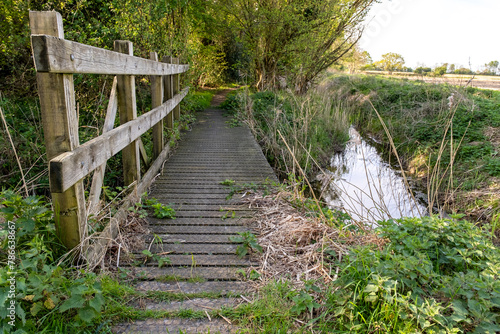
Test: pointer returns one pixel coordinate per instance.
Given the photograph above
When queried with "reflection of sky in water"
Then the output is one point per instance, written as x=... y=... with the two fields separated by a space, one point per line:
x=366 y=186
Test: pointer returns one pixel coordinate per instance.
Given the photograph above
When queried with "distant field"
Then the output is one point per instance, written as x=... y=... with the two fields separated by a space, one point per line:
x=479 y=81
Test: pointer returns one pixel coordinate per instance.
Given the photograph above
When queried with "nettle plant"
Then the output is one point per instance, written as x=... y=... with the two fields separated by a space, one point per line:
x=45 y=292
x=435 y=275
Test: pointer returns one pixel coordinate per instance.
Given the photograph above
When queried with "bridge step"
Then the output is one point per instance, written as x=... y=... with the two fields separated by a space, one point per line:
x=186 y=273
x=190 y=248
x=187 y=229
x=191 y=238
x=198 y=222
x=221 y=288
x=176 y=325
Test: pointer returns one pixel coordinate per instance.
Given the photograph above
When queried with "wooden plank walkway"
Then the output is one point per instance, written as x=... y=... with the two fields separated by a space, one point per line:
x=197 y=241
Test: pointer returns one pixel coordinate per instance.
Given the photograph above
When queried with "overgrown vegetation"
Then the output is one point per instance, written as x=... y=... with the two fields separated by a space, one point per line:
x=419 y=275
x=48 y=295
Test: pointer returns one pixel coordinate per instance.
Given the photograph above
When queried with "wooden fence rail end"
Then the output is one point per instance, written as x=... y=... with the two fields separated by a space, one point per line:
x=56 y=55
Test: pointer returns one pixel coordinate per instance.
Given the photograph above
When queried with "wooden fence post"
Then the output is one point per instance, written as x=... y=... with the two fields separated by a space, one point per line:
x=176 y=88
x=127 y=107
x=169 y=93
x=60 y=127
x=157 y=100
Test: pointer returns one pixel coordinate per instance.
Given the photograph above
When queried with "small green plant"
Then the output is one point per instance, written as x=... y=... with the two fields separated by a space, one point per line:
x=304 y=301
x=234 y=122
x=162 y=260
x=163 y=211
x=247 y=241
x=228 y=214
x=160 y=210
x=138 y=210
x=254 y=275
x=228 y=182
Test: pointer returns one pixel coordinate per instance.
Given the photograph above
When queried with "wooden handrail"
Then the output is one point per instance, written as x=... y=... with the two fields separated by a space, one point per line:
x=70 y=167
x=57 y=55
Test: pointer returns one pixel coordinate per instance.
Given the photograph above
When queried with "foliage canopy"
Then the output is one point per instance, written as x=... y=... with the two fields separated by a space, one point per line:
x=259 y=41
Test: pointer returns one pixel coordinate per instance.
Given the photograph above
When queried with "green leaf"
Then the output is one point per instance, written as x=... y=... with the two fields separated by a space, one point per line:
x=255 y=246
x=241 y=251
x=76 y=301
x=147 y=253
x=163 y=260
x=87 y=314
x=97 y=302
x=237 y=239
x=78 y=289
x=371 y=297
x=487 y=328
x=37 y=307
x=371 y=288
x=20 y=313
x=4 y=292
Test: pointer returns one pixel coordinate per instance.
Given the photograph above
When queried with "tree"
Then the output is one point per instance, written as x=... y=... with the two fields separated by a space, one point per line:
x=356 y=59
x=441 y=70
x=391 y=62
x=491 y=68
x=296 y=39
x=422 y=70
x=463 y=70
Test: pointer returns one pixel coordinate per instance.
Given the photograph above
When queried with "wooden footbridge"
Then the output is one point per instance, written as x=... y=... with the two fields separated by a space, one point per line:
x=198 y=240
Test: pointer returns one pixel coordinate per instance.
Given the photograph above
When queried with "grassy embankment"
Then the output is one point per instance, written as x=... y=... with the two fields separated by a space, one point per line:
x=431 y=275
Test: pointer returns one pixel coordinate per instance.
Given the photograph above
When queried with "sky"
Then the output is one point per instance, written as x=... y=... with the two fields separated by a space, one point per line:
x=433 y=32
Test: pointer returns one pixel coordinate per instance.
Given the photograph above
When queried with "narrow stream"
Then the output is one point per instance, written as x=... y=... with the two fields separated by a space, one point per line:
x=360 y=182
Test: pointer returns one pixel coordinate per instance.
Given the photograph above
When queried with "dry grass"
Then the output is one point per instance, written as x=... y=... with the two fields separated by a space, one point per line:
x=297 y=245
x=131 y=237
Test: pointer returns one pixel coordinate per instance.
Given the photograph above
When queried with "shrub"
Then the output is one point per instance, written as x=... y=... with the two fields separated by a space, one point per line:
x=435 y=275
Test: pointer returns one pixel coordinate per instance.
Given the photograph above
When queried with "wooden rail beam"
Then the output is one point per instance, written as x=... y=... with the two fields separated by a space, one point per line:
x=60 y=125
x=57 y=55
x=70 y=167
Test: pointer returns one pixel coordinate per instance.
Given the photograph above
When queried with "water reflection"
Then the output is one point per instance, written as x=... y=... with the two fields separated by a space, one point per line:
x=365 y=186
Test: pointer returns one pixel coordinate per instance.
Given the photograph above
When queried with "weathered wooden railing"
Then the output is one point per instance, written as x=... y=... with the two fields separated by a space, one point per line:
x=56 y=60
